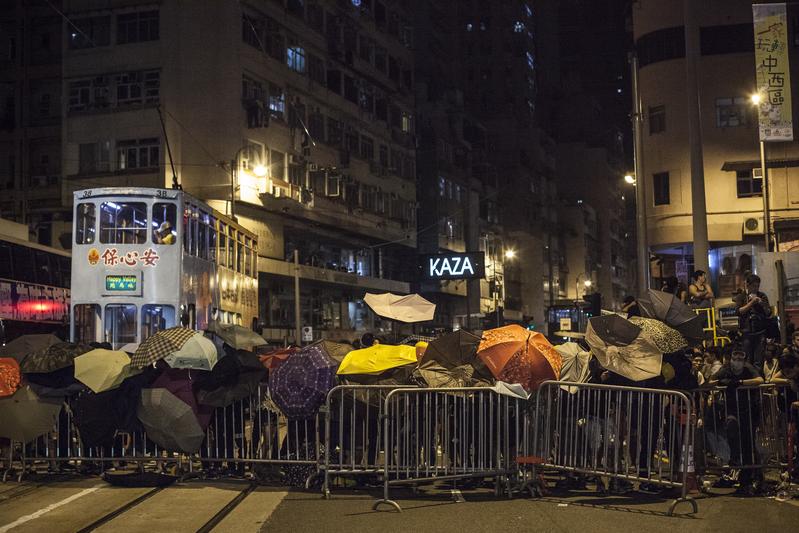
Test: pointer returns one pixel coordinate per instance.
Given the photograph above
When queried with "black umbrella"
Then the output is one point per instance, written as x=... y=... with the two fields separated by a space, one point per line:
x=667 y=308
x=248 y=375
x=20 y=347
x=55 y=357
x=451 y=361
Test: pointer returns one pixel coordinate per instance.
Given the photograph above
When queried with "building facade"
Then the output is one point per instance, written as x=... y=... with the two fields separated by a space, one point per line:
x=733 y=181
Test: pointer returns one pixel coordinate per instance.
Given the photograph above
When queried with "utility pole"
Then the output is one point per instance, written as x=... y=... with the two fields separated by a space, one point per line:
x=297 y=326
x=698 y=203
x=766 y=210
x=642 y=239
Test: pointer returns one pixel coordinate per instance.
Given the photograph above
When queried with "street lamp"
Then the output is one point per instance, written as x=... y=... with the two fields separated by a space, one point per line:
x=259 y=170
x=586 y=283
x=510 y=253
x=757 y=100
x=629 y=178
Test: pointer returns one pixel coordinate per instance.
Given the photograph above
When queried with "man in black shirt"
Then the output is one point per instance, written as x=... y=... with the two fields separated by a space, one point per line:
x=741 y=416
x=754 y=311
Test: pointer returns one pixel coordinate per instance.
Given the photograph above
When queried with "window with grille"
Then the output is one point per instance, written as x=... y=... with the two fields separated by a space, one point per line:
x=89 y=32
x=137 y=27
x=749 y=183
x=138 y=154
x=732 y=112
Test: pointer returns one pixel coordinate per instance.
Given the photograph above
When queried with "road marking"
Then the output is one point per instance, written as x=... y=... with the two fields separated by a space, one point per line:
x=45 y=510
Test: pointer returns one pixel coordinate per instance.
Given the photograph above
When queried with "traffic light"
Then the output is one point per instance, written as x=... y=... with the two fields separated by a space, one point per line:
x=595 y=299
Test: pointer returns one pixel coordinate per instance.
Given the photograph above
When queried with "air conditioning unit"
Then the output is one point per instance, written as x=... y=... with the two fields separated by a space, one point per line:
x=753 y=226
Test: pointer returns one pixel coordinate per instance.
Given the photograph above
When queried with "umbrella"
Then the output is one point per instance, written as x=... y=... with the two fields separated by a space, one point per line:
x=666 y=339
x=668 y=308
x=275 y=358
x=575 y=364
x=138 y=478
x=54 y=357
x=248 y=375
x=24 y=415
x=411 y=308
x=169 y=421
x=181 y=382
x=516 y=355
x=198 y=353
x=236 y=336
x=622 y=347
x=377 y=358
x=451 y=361
x=334 y=350
x=300 y=385
x=102 y=370
x=9 y=376
x=160 y=345
x=55 y=384
x=25 y=344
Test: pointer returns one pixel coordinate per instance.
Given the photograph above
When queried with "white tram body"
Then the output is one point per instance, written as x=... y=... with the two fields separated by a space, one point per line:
x=148 y=259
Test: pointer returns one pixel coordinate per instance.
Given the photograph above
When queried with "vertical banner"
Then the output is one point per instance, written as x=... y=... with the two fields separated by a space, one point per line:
x=772 y=72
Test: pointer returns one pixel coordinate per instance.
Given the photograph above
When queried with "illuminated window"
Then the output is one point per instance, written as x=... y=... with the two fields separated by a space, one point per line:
x=295 y=58
x=120 y=324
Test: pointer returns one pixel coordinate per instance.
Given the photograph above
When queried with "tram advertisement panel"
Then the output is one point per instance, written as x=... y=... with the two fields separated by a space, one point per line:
x=33 y=302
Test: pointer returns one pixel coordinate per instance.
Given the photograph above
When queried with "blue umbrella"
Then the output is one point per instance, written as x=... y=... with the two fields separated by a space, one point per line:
x=299 y=386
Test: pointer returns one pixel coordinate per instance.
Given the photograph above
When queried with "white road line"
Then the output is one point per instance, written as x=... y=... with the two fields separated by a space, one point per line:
x=45 y=510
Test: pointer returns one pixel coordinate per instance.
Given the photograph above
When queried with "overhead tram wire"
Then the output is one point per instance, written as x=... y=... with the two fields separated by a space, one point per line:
x=69 y=21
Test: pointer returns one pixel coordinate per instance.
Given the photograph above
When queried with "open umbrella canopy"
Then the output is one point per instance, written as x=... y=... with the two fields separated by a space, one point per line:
x=409 y=309
x=169 y=421
x=248 y=375
x=54 y=357
x=377 y=358
x=9 y=376
x=622 y=347
x=451 y=361
x=275 y=358
x=337 y=351
x=516 y=355
x=160 y=345
x=575 y=364
x=300 y=385
x=25 y=344
x=665 y=338
x=668 y=308
x=24 y=415
x=102 y=370
x=236 y=336
x=198 y=353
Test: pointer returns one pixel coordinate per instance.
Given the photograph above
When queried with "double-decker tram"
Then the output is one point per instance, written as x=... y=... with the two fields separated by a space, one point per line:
x=149 y=259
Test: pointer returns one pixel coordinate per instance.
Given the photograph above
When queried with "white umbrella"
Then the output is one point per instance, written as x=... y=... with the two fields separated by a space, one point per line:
x=103 y=370
x=575 y=364
x=409 y=308
x=623 y=348
x=199 y=353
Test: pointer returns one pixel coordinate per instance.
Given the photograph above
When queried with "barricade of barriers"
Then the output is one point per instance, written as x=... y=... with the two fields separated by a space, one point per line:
x=392 y=436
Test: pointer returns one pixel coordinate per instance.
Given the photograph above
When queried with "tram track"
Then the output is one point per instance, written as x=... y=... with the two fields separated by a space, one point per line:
x=24 y=490
x=227 y=509
x=120 y=510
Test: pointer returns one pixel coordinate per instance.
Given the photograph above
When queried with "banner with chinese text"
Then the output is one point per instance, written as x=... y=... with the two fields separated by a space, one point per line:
x=772 y=72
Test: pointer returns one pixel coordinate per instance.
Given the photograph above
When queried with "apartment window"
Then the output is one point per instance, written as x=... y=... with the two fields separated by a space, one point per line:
x=138 y=153
x=351 y=140
x=350 y=89
x=749 y=183
x=407 y=122
x=732 y=112
x=661 y=188
x=251 y=31
x=316 y=69
x=251 y=89
x=137 y=27
x=367 y=148
x=277 y=101
x=657 y=119
x=380 y=59
x=316 y=126
x=89 y=32
x=295 y=58
x=366 y=98
x=89 y=93
x=94 y=157
x=277 y=164
x=383 y=155
x=316 y=17
x=138 y=87
x=334 y=132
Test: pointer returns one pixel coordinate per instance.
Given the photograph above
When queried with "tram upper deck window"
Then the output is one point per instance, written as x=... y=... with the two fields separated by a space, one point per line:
x=164 y=217
x=231 y=248
x=120 y=324
x=222 y=244
x=211 y=238
x=202 y=235
x=156 y=318
x=123 y=223
x=85 y=221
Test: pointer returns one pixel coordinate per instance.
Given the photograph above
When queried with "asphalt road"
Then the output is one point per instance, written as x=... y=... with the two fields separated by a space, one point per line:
x=56 y=505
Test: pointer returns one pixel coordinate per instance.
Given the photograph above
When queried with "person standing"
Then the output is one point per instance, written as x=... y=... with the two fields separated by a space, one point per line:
x=753 y=314
x=700 y=293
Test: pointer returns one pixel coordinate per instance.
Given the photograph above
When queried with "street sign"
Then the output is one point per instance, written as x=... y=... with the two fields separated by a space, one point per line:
x=469 y=265
x=307 y=334
x=565 y=324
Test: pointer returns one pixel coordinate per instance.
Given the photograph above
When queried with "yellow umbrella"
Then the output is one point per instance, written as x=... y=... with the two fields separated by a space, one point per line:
x=376 y=359
x=103 y=370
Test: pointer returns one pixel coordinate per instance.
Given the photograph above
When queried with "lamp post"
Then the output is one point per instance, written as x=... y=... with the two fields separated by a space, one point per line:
x=586 y=283
x=259 y=170
x=756 y=99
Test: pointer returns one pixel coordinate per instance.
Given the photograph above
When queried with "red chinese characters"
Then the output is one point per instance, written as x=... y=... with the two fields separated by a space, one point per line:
x=111 y=257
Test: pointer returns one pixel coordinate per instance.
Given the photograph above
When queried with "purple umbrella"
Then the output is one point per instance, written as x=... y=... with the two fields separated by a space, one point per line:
x=299 y=386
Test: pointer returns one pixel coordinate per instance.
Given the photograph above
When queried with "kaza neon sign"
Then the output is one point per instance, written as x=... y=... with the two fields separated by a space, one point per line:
x=454 y=266
x=469 y=265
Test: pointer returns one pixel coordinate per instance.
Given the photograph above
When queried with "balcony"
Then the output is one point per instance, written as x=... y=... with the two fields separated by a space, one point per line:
x=310 y=273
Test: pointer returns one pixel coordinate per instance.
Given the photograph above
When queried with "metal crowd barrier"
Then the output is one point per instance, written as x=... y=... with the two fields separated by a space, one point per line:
x=626 y=433
x=743 y=428
x=447 y=435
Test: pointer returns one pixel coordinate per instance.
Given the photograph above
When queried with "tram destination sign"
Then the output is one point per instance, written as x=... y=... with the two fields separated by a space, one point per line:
x=121 y=283
x=469 y=265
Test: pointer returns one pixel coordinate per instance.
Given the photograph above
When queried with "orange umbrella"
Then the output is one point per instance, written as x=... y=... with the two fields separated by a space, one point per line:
x=516 y=355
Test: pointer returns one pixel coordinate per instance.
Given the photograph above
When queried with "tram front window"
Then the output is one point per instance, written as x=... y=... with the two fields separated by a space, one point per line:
x=164 y=216
x=84 y=224
x=87 y=323
x=120 y=324
x=156 y=318
x=123 y=223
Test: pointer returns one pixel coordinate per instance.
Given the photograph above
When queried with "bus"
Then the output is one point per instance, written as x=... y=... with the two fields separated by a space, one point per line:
x=147 y=259
x=34 y=285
